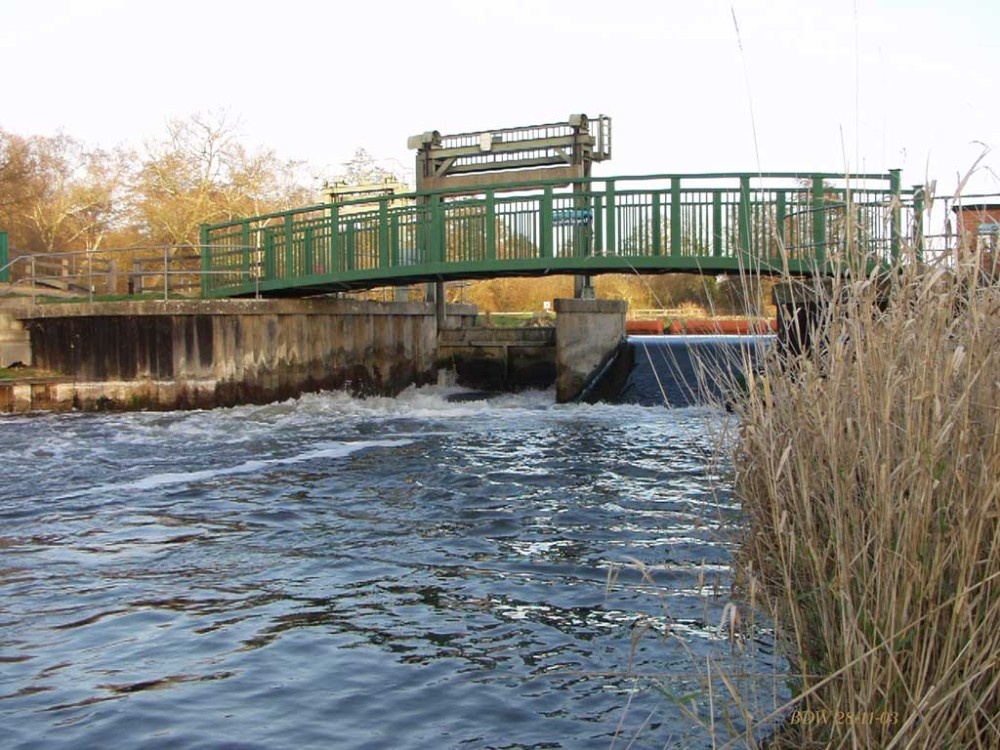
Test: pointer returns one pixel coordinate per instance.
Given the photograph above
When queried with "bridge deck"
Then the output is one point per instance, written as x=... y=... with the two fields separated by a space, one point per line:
x=713 y=223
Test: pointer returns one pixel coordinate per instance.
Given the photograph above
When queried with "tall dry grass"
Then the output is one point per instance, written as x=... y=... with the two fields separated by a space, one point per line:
x=869 y=472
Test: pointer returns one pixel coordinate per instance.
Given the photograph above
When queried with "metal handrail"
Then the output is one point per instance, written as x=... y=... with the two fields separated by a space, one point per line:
x=537 y=185
x=666 y=220
x=716 y=222
x=87 y=276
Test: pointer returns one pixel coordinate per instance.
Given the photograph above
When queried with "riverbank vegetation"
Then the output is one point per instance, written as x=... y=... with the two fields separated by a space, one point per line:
x=869 y=473
x=702 y=296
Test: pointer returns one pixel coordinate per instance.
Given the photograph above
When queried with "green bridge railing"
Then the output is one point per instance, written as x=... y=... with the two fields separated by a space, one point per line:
x=4 y=261
x=710 y=223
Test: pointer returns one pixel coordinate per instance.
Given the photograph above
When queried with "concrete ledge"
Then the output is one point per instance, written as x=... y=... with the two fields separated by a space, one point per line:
x=32 y=394
x=480 y=336
x=320 y=306
x=591 y=306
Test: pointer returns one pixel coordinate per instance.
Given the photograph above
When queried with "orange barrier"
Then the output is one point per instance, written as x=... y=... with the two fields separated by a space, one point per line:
x=701 y=326
x=643 y=327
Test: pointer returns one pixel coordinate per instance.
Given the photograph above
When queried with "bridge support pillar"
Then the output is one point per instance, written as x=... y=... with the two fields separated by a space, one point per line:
x=588 y=334
x=583 y=287
x=440 y=305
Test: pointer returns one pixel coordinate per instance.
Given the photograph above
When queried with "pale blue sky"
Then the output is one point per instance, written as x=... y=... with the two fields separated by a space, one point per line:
x=859 y=84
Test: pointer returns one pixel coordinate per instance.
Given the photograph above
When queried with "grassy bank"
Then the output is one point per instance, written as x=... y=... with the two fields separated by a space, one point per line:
x=869 y=471
x=23 y=373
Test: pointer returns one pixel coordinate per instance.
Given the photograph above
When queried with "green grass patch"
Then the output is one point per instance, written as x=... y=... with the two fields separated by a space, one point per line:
x=23 y=373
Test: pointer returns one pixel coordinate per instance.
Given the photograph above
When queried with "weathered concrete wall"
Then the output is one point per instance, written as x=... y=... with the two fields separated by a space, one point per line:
x=588 y=333
x=500 y=359
x=225 y=352
x=30 y=394
x=15 y=344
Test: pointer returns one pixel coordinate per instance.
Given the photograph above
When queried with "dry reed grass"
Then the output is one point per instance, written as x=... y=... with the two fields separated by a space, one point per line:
x=869 y=472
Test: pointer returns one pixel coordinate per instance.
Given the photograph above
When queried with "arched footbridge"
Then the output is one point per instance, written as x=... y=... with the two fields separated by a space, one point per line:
x=704 y=223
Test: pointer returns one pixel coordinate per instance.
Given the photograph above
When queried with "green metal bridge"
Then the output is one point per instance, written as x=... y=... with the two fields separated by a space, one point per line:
x=700 y=223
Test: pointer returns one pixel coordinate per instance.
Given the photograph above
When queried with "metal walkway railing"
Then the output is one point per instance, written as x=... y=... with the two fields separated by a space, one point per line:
x=162 y=271
x=710 y=223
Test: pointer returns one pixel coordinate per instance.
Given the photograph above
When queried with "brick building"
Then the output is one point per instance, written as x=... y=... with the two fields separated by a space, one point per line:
x=978 y=225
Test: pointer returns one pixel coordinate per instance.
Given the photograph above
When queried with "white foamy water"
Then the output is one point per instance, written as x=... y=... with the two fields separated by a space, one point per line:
x=248 y=467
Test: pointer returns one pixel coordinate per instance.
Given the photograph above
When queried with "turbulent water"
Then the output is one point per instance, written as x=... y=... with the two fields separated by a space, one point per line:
x=330 y=572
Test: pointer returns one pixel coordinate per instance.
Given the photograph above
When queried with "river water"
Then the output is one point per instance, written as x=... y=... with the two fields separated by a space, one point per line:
x=329 y=572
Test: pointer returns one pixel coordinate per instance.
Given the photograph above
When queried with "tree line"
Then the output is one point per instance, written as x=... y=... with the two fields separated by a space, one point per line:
x=691 y=293
x=58 y=193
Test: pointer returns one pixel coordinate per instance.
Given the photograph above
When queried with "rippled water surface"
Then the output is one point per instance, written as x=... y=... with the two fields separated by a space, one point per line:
x=338 y=573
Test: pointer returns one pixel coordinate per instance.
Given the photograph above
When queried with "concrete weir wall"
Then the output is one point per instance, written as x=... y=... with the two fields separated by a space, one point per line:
x=185 y=354
x=588 y=335
x=499 y=359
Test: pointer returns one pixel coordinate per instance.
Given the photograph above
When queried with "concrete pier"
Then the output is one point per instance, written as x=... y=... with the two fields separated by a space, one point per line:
x=586 y=338
x=588 y=334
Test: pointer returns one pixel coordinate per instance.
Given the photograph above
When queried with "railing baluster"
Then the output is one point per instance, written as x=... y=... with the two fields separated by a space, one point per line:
x=610 y=245
x=206 y=260
x=743 y=216
x=245 y=251
x=309 y=262
x=4 y=262
x=780 y=213
x=918 y=222
x=394 y=240
x=437 y=231
x=895 y=188
x=383 y=234
x=657 y=222
x=675 y=216
x=545 y=224
x=335 y=238
x=819 y=221
x=349 y=242
x=289 y=247
x=598 y=224
x=717 y=230
x=270 y=261
x=491 y=225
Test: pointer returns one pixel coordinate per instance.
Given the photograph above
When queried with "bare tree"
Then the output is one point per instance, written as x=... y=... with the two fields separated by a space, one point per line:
x=363 y=169
x=200 y=173
x=77 y=194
